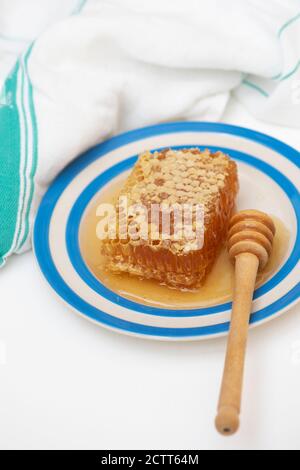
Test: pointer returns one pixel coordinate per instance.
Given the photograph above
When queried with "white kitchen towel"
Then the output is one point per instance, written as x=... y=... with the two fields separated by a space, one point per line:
x=96 y=67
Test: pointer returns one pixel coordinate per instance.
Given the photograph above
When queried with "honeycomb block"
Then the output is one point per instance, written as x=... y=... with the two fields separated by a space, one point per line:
x=193 y=177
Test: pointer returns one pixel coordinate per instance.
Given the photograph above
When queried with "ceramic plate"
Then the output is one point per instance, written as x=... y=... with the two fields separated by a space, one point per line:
x=269 y=178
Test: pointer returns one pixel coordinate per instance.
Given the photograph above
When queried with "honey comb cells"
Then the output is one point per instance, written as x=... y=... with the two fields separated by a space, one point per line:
x=166 y=178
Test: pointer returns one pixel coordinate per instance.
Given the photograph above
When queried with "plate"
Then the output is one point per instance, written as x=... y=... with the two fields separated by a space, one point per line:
x=269 y=177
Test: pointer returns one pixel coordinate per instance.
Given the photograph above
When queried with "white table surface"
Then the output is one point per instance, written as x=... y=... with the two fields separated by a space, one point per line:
x=66 y=383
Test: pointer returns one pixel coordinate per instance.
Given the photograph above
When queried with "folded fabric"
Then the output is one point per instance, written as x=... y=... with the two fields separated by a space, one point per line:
x=102 y=66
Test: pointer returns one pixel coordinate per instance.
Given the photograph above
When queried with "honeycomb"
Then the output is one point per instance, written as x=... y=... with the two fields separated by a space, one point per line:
x=167 y=179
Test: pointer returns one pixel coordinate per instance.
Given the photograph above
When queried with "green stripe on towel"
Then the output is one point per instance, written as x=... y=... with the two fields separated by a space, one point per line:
x=280 y=77
x=18 y=157
x=255 y=87
x=31 y=126
x=23 y=151
x=288 y=23
x=10 y=164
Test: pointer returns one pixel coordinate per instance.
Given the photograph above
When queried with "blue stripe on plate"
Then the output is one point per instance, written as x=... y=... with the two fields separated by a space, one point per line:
x=41 y=229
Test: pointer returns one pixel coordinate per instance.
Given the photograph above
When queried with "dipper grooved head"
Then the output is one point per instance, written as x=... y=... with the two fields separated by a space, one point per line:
x=252 y=232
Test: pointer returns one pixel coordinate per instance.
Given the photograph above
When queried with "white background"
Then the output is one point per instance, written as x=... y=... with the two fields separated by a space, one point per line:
x=66 y=383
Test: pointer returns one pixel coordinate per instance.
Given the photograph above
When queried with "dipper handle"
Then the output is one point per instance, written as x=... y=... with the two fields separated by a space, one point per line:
x=250 y=245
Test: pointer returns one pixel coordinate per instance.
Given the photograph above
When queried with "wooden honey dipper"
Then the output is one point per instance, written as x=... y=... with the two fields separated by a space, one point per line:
x=250 y=241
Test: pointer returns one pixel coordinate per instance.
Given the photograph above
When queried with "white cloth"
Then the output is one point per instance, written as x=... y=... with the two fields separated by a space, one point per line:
x=101 y=66
x=119 y=64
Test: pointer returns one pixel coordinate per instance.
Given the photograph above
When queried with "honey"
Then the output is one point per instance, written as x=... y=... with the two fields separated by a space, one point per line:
x=218 y=286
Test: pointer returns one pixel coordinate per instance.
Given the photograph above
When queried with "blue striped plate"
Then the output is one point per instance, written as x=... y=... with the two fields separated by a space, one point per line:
x=269 y=176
